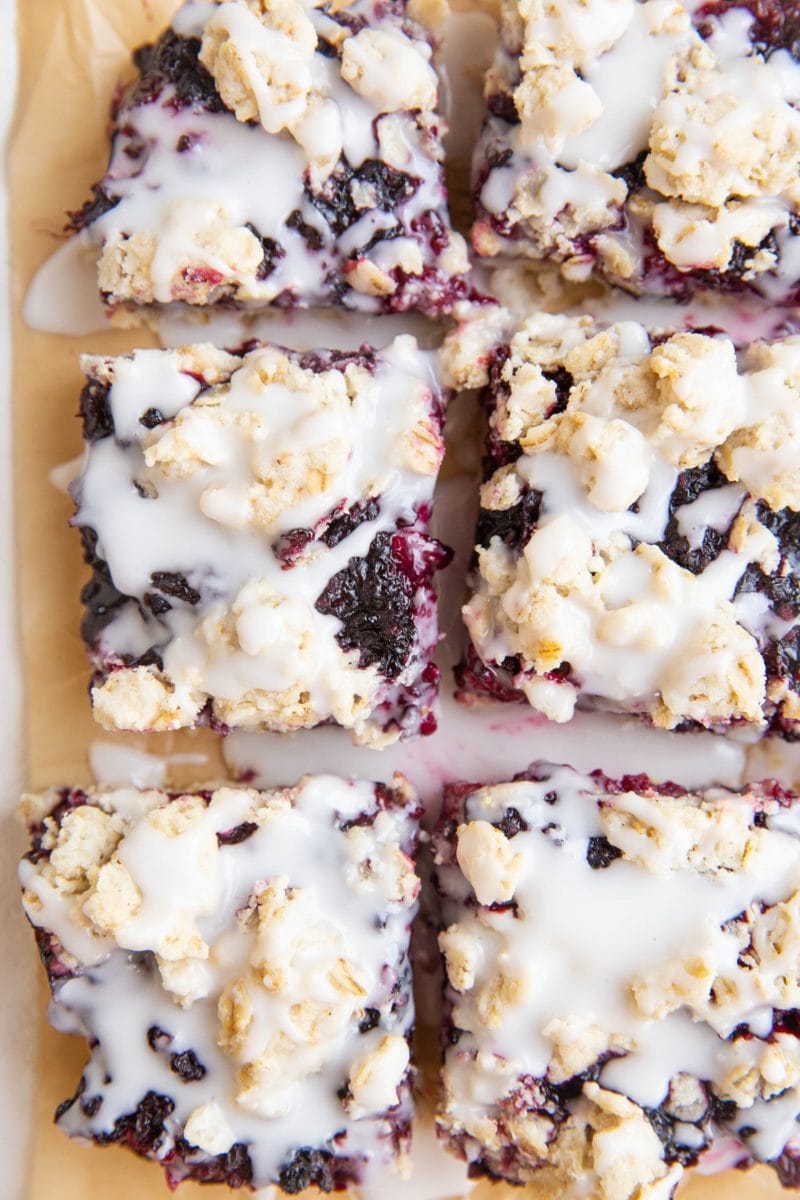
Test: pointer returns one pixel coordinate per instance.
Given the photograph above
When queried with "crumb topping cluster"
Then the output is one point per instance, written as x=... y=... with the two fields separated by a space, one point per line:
x=596 y=428
x=270 y=945
x=677 y=1036
x=233 y=503
x=261 y=57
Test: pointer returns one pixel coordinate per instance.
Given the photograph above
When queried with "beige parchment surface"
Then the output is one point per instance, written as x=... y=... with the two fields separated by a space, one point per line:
x=72 y=55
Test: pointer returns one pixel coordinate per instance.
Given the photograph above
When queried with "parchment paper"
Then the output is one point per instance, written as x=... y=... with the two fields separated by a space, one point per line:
x=72 y=55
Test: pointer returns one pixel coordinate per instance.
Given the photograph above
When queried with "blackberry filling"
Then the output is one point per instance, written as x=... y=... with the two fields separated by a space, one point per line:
x=374 y=599
x=308 y=1168
x=388 y=189
x=95 y=411
x=776 y=24
x=173 y=62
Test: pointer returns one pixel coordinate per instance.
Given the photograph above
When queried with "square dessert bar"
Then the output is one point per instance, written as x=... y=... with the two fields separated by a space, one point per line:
x=284 y=152
x=256 y=527
x=622 y=987
x=638 y=543
x=654 y=141
x=238 y=962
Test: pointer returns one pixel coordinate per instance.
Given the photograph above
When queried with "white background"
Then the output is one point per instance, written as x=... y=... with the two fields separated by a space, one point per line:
x=17 y=981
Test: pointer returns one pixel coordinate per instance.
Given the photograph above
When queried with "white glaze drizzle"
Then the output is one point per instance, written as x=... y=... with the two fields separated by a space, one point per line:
x=114 y=764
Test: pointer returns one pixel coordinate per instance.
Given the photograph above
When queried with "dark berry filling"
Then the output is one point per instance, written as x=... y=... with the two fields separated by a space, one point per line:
x=292 y=546
x=642 y=784
x=346 y=522
x=152 y=418
x=332 y=529
x=142 y=1130
x=233 y=1168
x=632 y=173
x=782 y=586
x=338 y=360
x=787 y=1167
x=273 y=253
x=782 y=589
x=512 y=823
x=51 y=952
x=175 y=585
x=95 y=411
x=680 y=283
x=99 y=203
x=475 y=677
x=187 y=1066
x=513 y=526
x=311 y=236
x=101 y=598
x=674 y=1150
x=776 y=25
x=501 y=104
x=308 y=1168
x=690 y=485
x=335 y=201
x=370 y=1020
x=173 y=62
x=600 y=853
x=373 y=597
x=234 y=837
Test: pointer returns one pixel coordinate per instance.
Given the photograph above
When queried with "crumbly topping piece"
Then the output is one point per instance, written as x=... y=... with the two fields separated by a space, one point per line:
x=390 y=69
x=461 y=955
x=259 y=480
x=377 y=864
x=207 y=1129
x=677 y=1036
x=376 y=1076
x=696 y=418
x=466 y=354
x=608 y=425
x=142 y=699
x=706 y=146
x=578 y=1045
x=279 y=1010
x=761 y=452
x=488 y=861
x=260 y=55
x=578 y=30
x=316 y=991
x=664 y=833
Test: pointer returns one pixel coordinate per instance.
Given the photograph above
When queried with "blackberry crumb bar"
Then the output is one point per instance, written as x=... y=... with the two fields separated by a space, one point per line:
x=638 y=543
x=256 y=527
x=238 y=961
x=654 y=141
x=283 y=154
x=621 y=992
